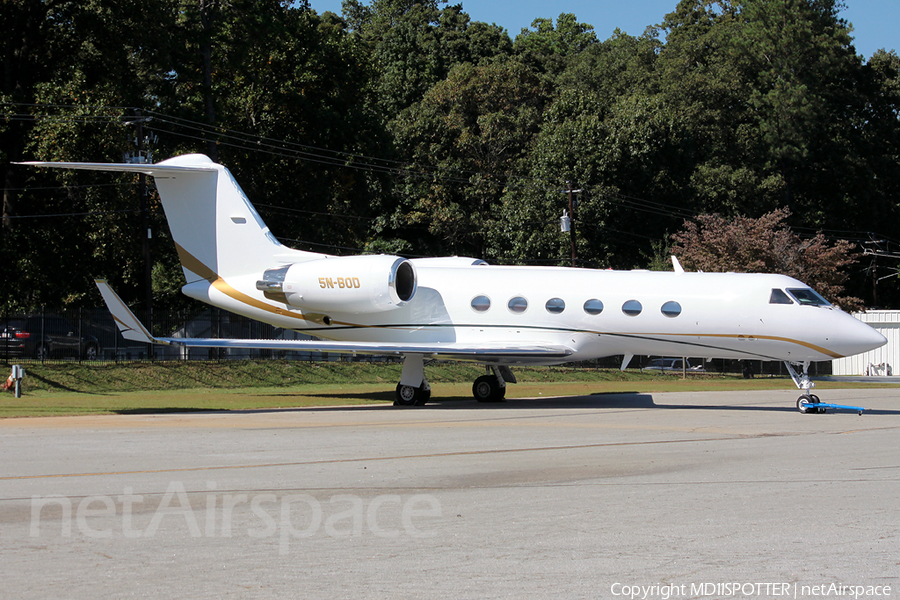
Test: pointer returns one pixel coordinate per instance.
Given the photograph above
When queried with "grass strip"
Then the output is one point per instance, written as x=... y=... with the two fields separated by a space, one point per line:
x=142 y=387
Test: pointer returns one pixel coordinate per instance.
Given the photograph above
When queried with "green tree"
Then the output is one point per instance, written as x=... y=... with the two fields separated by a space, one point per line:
x=805 y=98
x=414 y=45
x=292 y=107
x=274 y=69
x=699 y=80
x=621 y=65
x=68 y=66
x=776 y=102
x=617 y=154
x=466 y=137
x=549 y=48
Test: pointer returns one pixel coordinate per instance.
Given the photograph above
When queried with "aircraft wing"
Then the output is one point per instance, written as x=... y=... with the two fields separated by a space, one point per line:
x=132 y=329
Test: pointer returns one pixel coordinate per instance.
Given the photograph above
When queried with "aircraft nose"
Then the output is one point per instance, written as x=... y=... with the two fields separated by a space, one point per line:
x=859 y=337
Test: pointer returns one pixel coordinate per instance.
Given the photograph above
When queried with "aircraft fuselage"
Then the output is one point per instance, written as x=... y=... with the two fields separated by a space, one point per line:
x=596 y=313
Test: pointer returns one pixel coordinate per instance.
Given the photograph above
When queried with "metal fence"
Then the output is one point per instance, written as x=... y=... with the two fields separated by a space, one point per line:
x=91 y=335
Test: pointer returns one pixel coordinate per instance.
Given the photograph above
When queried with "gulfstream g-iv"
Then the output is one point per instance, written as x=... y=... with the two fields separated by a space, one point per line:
x=464 y=309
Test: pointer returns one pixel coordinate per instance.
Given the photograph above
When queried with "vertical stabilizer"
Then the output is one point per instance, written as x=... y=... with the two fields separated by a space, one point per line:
x=217 y=232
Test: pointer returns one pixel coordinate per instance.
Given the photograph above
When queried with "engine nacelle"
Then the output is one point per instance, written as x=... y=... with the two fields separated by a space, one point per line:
x=354 y=284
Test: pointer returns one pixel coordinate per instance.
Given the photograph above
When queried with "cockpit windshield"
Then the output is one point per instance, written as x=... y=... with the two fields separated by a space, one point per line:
x=808 y=297
x=779 y=297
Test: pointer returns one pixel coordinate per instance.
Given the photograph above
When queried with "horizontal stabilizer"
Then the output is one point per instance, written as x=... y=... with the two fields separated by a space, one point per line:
x=156 y=170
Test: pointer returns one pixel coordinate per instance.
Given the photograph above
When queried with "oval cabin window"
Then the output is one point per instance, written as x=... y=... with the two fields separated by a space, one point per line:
x=632 y=308
x=555 y=305
x=518 y=304
x=593 y=307
x=671 y=309
x=481 y=303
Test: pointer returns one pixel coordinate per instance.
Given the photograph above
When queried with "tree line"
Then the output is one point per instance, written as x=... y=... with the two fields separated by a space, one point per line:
x=402 y=126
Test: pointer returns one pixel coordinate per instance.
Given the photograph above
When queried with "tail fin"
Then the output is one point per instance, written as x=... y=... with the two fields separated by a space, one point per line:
x=217 y=232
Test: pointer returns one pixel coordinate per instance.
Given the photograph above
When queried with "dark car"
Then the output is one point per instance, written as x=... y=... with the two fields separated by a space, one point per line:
x=44 y=337
x=672 y=364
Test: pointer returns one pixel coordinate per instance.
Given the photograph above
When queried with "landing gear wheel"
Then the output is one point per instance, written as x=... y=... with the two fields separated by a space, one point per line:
x=806 y=404
x=486 y=389
x=424 y=397
x=815 y=400
x=407 y=395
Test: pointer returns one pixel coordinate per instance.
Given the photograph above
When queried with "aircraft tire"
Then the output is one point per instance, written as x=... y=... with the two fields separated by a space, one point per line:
x=486 y=389
x=815 y=400
x=406 y=395
x=423 y=397
x=807 y=400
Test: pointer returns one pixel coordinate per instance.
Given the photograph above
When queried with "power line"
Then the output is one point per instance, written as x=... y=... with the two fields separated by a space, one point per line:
x=67 y=187
x=342 y=159
x=273 y=208
x=294 y=150
x=303 y=148
x=76 y=214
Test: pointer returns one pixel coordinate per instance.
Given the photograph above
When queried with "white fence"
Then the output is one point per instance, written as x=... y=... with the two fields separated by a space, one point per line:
x=881 y=361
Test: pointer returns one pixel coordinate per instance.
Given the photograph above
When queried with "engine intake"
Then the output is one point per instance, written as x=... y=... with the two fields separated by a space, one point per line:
x=354 y=284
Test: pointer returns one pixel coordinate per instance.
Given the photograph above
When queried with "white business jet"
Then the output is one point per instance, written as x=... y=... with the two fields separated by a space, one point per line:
x=464 y=309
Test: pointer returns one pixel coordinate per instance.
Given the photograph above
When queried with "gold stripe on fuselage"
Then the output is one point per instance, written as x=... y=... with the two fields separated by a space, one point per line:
x=194 y=265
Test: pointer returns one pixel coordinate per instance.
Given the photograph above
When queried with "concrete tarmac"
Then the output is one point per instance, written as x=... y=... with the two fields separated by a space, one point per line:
x=676 y=495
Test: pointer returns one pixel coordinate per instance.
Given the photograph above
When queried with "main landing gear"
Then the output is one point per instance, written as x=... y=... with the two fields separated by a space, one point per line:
x=413 y=389
x=407 y=395
x=492 y=387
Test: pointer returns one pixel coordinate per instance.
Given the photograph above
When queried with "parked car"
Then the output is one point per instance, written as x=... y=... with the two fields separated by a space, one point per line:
x=45 y=337
x=672 y=364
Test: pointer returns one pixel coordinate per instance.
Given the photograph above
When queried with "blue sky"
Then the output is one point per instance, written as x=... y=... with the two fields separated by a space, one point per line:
x=875 y=22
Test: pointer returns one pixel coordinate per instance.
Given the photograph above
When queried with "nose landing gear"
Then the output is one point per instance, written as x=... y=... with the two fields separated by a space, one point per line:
x=809 y=404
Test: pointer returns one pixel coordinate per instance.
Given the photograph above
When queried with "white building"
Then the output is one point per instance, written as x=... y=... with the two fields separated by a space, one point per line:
x=881 y=361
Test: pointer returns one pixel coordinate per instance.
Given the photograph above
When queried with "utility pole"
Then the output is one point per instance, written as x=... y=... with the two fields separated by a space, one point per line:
x=572 y=216
x=874 y=280
x=879 y=248
x=145 y=225
x=142 y=157
x=567 y=222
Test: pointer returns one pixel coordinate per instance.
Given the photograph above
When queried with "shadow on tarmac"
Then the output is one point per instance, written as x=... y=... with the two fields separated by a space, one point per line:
x=603 y=400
